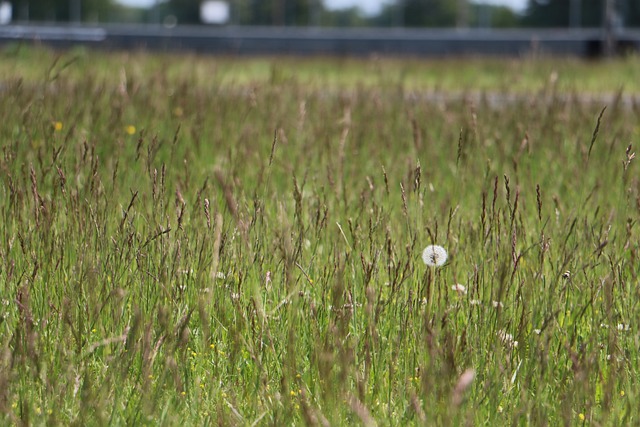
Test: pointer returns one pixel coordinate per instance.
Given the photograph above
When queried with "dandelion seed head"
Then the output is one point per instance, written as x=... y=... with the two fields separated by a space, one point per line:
x=434 y=255
x=460 y=289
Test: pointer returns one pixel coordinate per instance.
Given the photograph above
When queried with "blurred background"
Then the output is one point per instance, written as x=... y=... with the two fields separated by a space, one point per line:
x=331 y=13
x=587 y=28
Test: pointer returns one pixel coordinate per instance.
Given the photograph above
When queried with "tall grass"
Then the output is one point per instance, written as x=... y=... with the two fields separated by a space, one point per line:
x=188 y=249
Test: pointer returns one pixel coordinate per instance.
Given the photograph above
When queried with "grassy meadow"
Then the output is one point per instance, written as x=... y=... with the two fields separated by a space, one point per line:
x=238 y=241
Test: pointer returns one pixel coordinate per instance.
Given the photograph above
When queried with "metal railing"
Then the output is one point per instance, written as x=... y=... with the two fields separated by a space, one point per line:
x=326 y=41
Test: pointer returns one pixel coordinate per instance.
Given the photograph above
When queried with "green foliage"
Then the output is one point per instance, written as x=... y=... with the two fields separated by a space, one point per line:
x=420 y=13
x=199 y=240
x=493 y=17
x=429 y=13
x=185 y=11
x=589 y=13
x=409 y=13
x=349 y=17
x=63 y=10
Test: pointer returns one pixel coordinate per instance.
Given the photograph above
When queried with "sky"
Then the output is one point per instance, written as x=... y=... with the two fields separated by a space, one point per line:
x=368 y=6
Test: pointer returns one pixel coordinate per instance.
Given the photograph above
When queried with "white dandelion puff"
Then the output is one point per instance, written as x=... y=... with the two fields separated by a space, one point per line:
x=434 y=255
x=460 y=289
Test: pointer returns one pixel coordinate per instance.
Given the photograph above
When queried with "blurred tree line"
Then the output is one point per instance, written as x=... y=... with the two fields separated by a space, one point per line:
x=406 y=13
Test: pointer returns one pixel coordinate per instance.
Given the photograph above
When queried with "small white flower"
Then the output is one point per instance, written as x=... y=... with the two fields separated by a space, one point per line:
x=460 y=289
x=475 y=302
x=497 y=304
x=220 y=275
x=537 y=331
x=623 y=327
x=434 y=255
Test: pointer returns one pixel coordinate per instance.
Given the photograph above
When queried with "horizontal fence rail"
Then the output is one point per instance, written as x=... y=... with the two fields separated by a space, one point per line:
x=326 y=41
